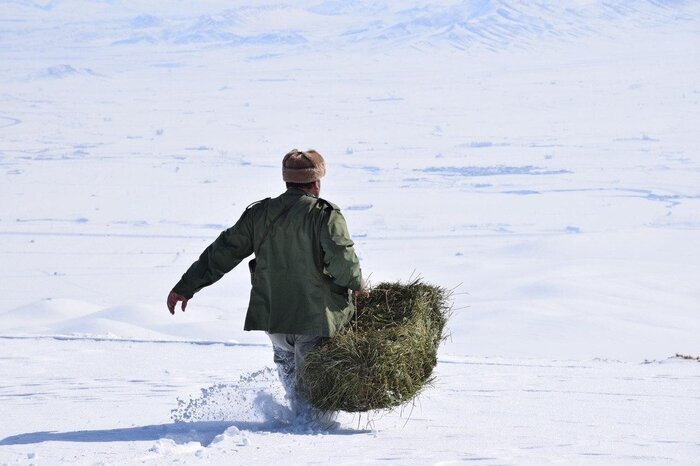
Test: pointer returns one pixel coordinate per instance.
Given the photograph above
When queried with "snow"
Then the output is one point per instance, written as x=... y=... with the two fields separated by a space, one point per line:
x=541 y=158
x=114 y=407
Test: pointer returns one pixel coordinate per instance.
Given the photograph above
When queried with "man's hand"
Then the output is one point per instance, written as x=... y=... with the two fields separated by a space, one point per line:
x=173 y=298
x=362 y=292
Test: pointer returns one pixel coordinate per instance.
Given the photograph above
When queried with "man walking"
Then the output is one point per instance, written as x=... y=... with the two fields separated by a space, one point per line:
x=304 y=267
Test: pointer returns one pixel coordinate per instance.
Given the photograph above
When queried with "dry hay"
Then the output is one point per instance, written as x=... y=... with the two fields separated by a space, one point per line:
x=385 y=356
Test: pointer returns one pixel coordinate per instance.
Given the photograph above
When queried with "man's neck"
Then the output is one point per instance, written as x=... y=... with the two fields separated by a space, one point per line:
x=313 y=192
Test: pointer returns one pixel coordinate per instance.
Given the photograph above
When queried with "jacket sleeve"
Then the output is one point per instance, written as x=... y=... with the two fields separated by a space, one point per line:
x=339 y=256
x=227 y=251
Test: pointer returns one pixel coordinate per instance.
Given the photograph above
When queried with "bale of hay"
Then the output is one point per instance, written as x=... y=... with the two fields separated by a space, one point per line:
x=384 y=356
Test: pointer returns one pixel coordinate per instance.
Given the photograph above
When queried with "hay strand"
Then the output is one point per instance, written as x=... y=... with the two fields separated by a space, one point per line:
x=385 y=356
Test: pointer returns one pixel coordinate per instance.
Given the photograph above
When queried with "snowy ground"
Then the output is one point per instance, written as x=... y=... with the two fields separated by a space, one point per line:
x=112 y=408
x=541 y=157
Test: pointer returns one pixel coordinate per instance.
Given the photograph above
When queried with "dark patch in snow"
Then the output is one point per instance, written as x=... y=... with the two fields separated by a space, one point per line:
x=359 y=207
x=167 y=65
x=385 y=99
x=144 y=21
x=480 y=144
x=522 y=192
x=263 y=56
x=64 y=71
x=367 y=168
x=492 y=171
x=133 y=223
x=135 y=40
x=672 y=199
x=644 y=137
x=207 y=226
x=9 y=121
x=53 y=220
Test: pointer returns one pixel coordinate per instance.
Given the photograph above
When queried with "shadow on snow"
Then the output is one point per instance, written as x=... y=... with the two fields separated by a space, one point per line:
x=203 y=432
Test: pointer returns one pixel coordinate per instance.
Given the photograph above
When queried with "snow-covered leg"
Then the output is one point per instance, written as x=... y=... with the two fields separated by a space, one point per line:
x=284 y=360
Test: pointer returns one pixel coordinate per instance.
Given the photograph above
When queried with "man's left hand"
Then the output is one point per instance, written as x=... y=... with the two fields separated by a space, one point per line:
x=362 y=292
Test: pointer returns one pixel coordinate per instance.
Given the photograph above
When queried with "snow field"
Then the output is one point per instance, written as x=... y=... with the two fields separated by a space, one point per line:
x=490 y=409
x=541 y=159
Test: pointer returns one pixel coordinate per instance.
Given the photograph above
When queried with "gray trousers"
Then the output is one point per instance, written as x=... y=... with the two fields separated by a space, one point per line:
x=289 y=351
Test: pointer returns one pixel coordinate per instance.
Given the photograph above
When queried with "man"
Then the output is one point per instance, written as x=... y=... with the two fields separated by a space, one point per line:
x=303 y=271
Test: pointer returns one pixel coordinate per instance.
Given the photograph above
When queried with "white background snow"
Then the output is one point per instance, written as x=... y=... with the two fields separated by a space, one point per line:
x=541 y=158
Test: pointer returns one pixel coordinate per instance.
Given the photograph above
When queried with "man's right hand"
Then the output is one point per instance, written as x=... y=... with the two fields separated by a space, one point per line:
x=173 y=298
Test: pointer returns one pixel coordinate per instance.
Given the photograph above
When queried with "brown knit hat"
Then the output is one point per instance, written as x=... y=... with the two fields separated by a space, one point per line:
x=303 y=167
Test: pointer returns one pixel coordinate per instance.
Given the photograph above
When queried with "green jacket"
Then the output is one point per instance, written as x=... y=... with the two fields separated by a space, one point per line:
x=305 y=267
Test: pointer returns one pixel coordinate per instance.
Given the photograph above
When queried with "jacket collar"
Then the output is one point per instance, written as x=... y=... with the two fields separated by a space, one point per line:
x=298 y=191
